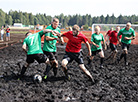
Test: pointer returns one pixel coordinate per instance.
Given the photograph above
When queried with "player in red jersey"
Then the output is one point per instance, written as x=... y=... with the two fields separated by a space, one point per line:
x=73 y=48
x=107 y=37
x=113 y=43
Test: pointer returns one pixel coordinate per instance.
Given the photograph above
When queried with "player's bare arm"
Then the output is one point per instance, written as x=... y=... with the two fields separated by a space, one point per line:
x=105 y=47
x=88 y=47
x=95 y=44
x=24 y=48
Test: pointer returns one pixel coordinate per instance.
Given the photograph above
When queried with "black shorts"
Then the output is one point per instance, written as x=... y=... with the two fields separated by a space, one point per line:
x=51 y=55
x=113 y=47
x=95 y=52
x=125 y=46
x=40 y=58
x=70 y=56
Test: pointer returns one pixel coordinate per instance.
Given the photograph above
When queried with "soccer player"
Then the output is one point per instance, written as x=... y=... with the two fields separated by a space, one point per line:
x=72 y=51
x=96 y=39
x=107 y=37
x=128 y=34
x=49 y=47
x=113 y=43
x=34 y=52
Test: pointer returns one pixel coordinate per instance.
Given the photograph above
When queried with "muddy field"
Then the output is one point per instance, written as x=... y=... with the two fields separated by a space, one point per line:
x=114 y=83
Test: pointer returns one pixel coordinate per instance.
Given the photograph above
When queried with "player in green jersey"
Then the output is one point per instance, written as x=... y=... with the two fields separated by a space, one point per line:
x=34 y=52
x=96 y=39
x=49 y=47
x=128 y=34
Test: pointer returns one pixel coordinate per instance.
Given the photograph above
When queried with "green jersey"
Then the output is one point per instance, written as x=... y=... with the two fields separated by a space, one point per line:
x=126 y=33
x=97 y=38
x=50 y=46
x=33 y=42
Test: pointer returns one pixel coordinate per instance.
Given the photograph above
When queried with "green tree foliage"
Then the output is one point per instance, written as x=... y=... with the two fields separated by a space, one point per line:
x=2 y=17
x=66 y=20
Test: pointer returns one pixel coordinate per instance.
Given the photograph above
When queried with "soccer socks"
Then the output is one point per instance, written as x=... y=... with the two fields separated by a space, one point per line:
x=102 y=60
x=48 y=68
x=125 y=59
x=55 y=70
x=122 y=55
x=23 y=71
x=89 y=61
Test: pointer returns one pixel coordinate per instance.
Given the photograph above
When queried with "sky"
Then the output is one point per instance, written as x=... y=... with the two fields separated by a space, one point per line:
x=72 y=7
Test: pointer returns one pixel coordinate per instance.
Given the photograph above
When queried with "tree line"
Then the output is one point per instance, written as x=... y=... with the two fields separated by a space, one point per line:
x=29 y=19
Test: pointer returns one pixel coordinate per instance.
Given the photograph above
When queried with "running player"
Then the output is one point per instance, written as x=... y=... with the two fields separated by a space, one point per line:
x=96 y=39
x=107 y=37
x=72 y=51
x=128 y=34
x=49 y=47
x=34 y=52
x=113 y=43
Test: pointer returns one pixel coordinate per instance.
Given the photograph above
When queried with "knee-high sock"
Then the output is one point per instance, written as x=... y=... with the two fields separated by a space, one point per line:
x=48 y=68
x=122 y=55
x=23 y=70
x=102 y=60
x=125 y=58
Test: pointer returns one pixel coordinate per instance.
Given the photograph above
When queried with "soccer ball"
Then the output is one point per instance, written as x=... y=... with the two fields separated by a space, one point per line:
x=38 y=78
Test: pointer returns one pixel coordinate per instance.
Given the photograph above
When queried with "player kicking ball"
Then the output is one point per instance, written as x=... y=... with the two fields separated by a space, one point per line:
x=72 y=51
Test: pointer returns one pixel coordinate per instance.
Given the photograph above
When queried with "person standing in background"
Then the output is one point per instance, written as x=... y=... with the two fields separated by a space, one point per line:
x=8 y=34
x=2 y=33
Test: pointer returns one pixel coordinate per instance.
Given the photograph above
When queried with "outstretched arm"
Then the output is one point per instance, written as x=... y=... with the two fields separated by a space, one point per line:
x=47 y=30
x=88 y=47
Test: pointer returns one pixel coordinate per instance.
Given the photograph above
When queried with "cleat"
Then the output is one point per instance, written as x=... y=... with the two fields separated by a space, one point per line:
x=89 y=61
x=45 y=77
x=126 y=63
x=55 y=71
x=66 y=74
x=118 y=60
x=68 y=77
x=101 y=66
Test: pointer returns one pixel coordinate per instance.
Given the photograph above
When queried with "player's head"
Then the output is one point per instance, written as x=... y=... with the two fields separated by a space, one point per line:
x=28 y=33
x=55 y=23
x=75 y=29
x=97 y=29
x=128 y=26
x=117 y=28
x=111 y=28
x=70 y=28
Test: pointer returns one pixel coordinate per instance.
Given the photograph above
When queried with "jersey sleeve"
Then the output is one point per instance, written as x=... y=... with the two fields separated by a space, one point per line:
x=66 y=34
x=41 y=33
x=133 y=33
x=110 y=34
x=85 y=38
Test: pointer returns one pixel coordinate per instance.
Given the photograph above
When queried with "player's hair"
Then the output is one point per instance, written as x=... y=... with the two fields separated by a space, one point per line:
x=128 y=23
x=55 y=20
x=76 y=27
x=27 y=33
x=97 y=27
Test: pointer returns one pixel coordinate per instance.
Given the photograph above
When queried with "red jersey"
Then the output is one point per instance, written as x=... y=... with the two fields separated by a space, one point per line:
x=8 y=30
x=74 y=42
x=108 y=33
x=113 y=37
